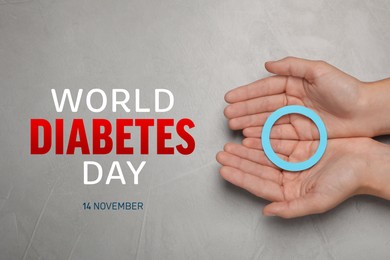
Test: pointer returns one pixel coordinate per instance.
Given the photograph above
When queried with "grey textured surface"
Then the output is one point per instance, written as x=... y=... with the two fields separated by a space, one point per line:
x=198 y=50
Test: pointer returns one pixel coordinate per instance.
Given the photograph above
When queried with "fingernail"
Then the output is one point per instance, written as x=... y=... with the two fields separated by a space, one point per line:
x=227 y=96
x=269 y=214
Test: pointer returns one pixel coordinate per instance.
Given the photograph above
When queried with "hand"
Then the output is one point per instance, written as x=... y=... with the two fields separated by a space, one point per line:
x=343 y=171
x=335 y=96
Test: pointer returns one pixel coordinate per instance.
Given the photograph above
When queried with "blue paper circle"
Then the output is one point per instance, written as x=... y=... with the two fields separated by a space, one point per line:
x=273 y=157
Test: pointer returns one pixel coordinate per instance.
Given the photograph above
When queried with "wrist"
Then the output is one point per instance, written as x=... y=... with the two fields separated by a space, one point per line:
x=374 y=107
x=376 y=178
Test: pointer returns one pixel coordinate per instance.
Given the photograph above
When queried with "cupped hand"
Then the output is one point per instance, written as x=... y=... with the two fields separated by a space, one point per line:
x=339 y=175
x=335 y=96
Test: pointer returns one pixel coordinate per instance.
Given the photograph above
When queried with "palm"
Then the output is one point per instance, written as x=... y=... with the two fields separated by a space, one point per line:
x=330 y=179
x=320 y=188
x=325 y=95
x=325 y=89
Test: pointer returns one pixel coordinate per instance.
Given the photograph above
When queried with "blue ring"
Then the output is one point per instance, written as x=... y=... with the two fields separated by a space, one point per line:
x=273 y=157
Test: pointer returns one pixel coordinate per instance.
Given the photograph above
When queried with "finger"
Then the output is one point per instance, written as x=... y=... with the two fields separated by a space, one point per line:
x=256 y=105
x=291 y=66
x=254 y=155
x=284 y=131
x=260 y=88
x=246 y=166
x=254 y=120
x=265 y=189
x=287 y=150
x=302 y=206
x=284 y=147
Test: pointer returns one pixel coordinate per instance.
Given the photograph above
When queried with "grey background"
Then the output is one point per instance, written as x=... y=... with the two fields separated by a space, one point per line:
x=198 y=50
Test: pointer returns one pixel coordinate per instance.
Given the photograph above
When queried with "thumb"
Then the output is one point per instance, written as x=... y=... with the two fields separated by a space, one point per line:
x=307 y=205
x=297 y=67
